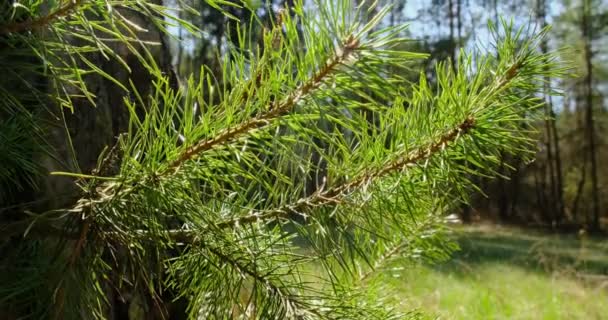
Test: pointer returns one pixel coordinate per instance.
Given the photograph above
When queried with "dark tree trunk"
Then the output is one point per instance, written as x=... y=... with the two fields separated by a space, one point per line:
x=503 y=199
x=459 y=22
x=580 y=186
x=552 y=142
x=452 y=35
x=594 y=224
x=515 y=177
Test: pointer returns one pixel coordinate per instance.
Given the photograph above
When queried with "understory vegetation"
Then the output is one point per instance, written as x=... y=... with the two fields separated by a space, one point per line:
x=507 y=273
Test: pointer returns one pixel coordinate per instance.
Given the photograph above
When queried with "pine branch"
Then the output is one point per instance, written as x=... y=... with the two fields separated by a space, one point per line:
x=43 y=21
x=106 y=191
x=276 y=109
x=336 y=194
x=319 y=198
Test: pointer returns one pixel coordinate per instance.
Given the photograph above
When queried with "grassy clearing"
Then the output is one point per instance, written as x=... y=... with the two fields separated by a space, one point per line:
x=510 y=274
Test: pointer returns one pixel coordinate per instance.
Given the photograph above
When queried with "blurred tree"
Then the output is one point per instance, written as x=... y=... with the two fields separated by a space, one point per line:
x=560 y=188
x=580 y=26
x=554 y=206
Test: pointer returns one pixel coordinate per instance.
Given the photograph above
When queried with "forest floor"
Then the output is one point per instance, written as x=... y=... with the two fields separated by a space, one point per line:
x=506 y=273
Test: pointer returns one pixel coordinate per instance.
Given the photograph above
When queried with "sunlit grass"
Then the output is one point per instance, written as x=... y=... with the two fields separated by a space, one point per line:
x=510 y=274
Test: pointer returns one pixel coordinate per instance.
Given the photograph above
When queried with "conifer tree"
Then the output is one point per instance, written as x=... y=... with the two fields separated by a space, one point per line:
x=201 y=207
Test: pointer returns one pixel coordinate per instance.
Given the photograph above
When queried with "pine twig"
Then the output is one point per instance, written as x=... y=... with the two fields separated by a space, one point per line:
x=321 y=198
x=41 y=22
x=105 y=191
x=275 y=110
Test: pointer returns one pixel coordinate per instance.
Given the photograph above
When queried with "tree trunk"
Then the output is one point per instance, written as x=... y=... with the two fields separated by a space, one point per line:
x=552 y=143
x=452 y=36
x=580 y=186
x=503 y=199
x=459 y=21
x=180 y=45
x=495 y=5
x=561 y=212
x=594 y=224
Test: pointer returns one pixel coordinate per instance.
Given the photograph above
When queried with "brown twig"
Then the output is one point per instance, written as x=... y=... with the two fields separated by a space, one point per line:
x=41 y=21
x=79 y=243
x=511 y=73
x=78 y=247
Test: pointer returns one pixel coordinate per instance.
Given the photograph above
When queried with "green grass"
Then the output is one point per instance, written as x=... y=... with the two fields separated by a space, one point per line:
x=510 y=274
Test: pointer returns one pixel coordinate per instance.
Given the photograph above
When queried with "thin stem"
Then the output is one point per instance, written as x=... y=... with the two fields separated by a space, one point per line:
x=41 y=21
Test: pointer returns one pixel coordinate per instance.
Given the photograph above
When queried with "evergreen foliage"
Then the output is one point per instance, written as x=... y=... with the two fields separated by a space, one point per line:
x=314 y=165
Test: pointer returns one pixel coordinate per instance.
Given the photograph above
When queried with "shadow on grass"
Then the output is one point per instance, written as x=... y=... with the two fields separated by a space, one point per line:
x=547 y=253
